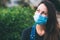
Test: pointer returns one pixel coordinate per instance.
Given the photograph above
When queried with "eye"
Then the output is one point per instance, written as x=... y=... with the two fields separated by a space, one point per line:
x=38 y=10
x=44 y=13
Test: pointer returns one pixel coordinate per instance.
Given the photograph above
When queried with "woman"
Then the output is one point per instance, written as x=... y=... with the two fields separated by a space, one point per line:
x=46 y=25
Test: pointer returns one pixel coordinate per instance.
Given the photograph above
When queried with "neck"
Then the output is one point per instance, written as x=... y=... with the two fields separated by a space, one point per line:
x=40 y=29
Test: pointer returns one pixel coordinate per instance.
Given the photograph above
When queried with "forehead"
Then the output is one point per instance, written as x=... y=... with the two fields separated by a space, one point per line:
x=42 y=7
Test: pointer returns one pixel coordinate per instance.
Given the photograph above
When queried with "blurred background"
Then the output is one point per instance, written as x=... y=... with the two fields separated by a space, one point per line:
x=16 y=15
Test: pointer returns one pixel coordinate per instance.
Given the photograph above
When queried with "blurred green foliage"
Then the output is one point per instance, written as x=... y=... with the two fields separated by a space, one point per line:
x=13 y=21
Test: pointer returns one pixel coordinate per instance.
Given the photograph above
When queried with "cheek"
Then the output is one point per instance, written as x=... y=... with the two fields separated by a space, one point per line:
x=36 y=13
x=43 y=15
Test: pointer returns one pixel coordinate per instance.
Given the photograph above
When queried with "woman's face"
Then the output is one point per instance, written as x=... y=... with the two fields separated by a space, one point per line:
x=42 y=9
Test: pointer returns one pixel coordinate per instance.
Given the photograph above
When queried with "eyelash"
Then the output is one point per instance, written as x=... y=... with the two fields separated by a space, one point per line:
x=44 y=13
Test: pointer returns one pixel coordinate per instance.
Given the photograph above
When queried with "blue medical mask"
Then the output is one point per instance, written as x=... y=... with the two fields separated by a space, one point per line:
x=40 y=19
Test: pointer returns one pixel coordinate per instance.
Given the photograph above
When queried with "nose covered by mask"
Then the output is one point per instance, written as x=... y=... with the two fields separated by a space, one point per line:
x=40 y=19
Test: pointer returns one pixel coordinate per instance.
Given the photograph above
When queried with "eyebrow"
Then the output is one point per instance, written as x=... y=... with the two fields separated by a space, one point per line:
x=39 y=10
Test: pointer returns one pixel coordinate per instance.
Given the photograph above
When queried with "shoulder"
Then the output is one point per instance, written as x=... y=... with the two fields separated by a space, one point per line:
x=26 y=33
x=27 y=30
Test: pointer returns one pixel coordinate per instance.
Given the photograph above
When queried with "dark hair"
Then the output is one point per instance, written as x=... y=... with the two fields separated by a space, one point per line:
x=52 y=29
